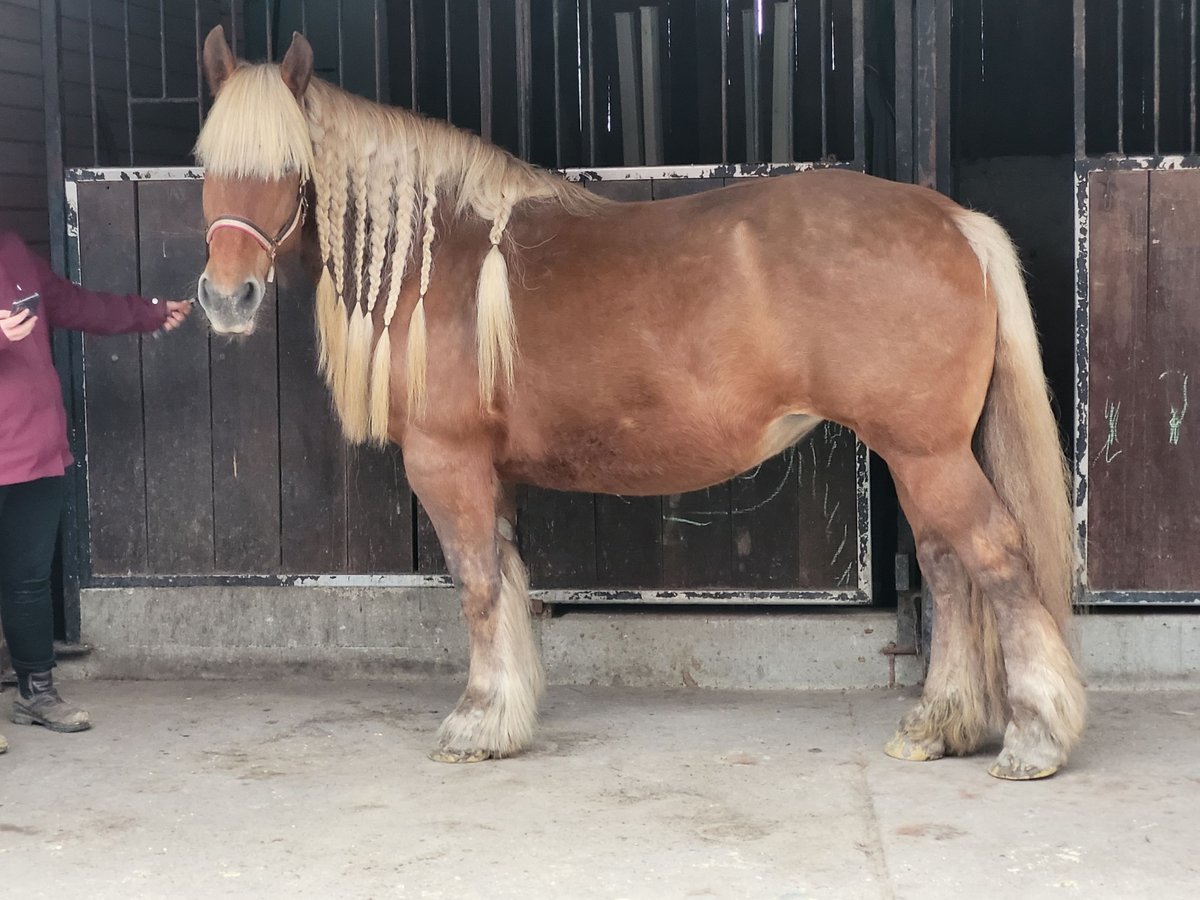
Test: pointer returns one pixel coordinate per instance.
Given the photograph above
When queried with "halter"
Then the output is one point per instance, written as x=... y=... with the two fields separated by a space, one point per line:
x=270 y=245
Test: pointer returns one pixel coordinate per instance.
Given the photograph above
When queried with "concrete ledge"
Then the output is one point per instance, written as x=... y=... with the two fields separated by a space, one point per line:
x=387 y=633
x=1139 y=650
x=391 y=633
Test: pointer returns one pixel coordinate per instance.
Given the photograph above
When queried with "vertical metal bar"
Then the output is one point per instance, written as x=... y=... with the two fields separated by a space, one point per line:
x=904 y=89
x=750 y=48
x=412 y=53
x=943 y=22
x=341 y=48
x=824 y=17
x=51 y=38
x=92 y=83
x=303 y=16
x=485 y=69
x=558 y=137
x=378 y=49
x=1192 y=79
x=859 y=91
x=233 y=27
x=724 y=81
x=52 y=101
x=524 y=76
x=1121 y=77
x=128 y=86
x=449 y=68
x=199 y=65
x=591 y=87
x=267 y=30
x=627 y=78
x=652 y=126
x=925 y=79
x=782 y=67
x=1157 y=70
x=162 y=46
x=1081 y=80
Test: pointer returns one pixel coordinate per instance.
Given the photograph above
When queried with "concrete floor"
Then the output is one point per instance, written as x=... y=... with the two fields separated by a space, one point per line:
x=306 y=788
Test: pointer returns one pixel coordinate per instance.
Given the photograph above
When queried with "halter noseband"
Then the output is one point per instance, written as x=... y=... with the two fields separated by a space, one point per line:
x=270 y=245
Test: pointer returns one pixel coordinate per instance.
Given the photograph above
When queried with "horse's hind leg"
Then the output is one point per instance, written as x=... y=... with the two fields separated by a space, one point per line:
x=955 y=502
x=473 y=518
x=963 y=696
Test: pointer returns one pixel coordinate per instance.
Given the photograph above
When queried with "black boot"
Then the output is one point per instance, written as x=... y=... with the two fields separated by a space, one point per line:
x=38 y=703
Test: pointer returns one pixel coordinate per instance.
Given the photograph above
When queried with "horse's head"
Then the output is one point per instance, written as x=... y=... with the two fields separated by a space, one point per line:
x=257 y=155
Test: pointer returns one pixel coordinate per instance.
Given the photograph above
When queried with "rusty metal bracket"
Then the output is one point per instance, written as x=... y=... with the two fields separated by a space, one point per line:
x=891 y=651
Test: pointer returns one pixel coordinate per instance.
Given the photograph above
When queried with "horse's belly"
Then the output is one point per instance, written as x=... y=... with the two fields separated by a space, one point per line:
x=637 y=459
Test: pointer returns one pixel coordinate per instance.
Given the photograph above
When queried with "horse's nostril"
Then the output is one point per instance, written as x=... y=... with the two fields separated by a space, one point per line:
x=202 y=293
x=248 y=294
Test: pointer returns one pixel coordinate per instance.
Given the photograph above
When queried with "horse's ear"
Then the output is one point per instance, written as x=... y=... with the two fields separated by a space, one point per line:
x=219 y=61
x=297 y=66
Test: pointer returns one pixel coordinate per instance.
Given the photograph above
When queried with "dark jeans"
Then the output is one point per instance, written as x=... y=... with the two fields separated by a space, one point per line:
x=29 y=515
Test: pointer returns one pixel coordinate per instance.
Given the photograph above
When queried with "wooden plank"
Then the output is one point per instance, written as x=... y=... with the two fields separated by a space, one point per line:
x=430 y=560
x=23 y=57
x=23 y=157
x=765 y=512
x=21 y=21
x=26 y=126
x=175 y=378
x=23 y=91
x=108 y=250
x=698 y=539
x=312 y=453
x=828 y=518
x=33 y=225
x=1117 y=528
x=666 y=188
x=245 y=447
x=1168 y=375
x=629 y=542
x=379 y=512
x=558 y=537
x=625 y=191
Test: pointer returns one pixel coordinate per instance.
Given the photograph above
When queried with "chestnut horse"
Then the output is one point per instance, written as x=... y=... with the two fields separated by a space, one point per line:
x=503 y=326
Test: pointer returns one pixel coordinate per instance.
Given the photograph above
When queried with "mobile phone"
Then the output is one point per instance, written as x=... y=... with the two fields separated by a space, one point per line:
x=30 y=303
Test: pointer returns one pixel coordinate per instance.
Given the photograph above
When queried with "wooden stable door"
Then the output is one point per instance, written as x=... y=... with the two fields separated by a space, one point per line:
x=1142 y=495
x=222 y=458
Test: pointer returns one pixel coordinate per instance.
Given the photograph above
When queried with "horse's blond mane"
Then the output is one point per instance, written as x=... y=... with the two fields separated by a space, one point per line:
x=379 y=173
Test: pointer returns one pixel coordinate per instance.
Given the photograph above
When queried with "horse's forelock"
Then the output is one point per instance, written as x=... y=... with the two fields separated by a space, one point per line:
x=256 y=128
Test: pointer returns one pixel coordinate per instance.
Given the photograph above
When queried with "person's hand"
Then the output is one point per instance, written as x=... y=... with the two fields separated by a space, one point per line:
x=18 y=327
x=177 y=311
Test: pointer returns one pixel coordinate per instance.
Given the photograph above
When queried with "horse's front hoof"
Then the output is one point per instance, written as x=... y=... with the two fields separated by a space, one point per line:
x=1009 y=768
x=444 y=755
x=901 y=746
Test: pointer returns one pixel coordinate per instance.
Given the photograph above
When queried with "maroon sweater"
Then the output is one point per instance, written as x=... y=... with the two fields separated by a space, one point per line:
x=33 y=424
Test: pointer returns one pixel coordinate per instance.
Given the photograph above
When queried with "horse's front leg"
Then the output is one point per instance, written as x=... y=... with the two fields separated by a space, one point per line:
x=473 y=517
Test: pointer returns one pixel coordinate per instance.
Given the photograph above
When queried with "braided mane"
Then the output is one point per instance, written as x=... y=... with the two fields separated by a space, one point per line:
x=379 y=174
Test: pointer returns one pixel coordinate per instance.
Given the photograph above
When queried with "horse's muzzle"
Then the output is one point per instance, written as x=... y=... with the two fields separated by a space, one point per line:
x=230 y=311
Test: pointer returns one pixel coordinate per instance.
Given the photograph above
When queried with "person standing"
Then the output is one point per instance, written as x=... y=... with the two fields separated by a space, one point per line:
x=34 y=456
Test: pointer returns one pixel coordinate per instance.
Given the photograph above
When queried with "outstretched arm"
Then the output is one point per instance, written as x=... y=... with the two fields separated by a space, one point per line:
x=67 y=305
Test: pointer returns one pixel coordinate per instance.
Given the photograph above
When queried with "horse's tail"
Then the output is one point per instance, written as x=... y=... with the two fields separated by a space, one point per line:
x=1017 y=442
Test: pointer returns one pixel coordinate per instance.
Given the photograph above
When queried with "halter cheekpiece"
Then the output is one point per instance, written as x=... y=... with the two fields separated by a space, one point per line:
x=270 y=245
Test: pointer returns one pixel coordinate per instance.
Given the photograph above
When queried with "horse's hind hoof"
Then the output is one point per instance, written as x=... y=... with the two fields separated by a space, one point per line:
x=442 y=755
x=1009 y=768
x=901 y=746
